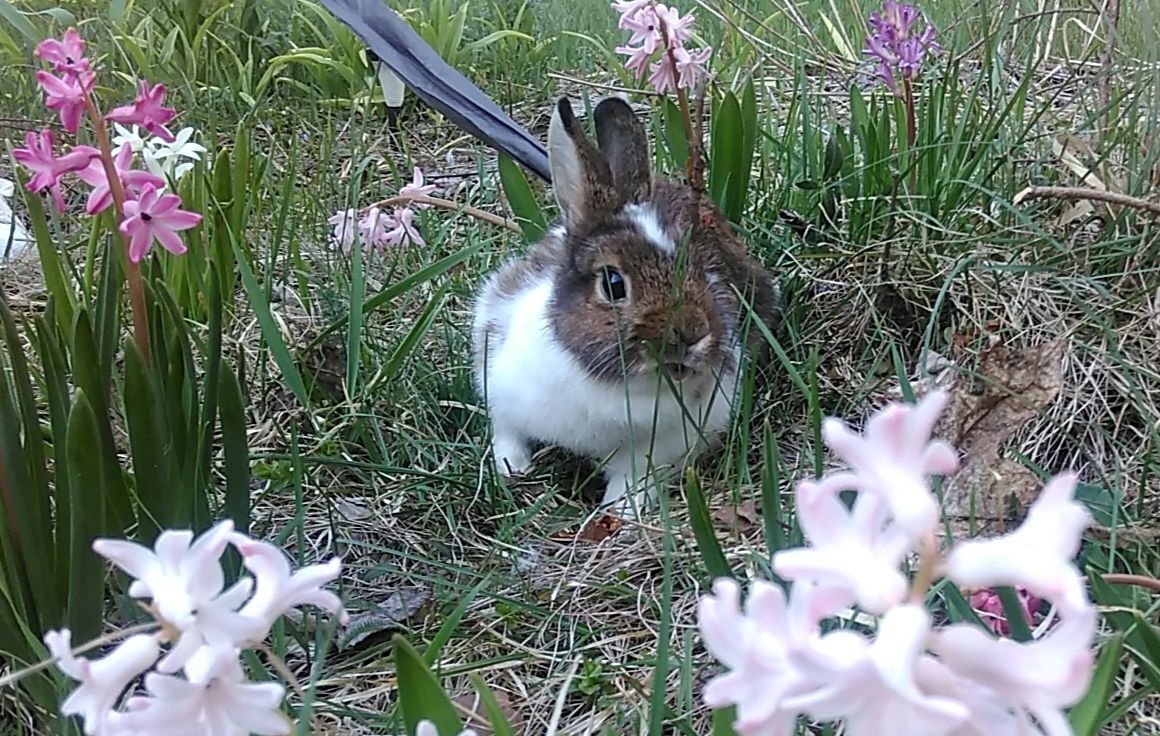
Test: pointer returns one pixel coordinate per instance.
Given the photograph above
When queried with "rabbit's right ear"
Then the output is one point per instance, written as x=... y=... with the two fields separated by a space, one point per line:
x=581 y=176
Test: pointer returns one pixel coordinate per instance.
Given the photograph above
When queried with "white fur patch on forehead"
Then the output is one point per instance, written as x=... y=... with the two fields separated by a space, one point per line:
x=644 y=216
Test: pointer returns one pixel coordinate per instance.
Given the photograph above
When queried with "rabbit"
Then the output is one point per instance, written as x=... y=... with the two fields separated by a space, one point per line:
x=611 y=337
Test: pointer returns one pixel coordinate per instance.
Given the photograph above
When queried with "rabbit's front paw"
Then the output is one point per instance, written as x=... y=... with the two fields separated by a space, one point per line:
x=512 y=455
x=626 y=497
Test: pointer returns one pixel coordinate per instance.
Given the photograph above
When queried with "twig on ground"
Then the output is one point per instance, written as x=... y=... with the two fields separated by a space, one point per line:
x=1085 y=193
x=447 y=204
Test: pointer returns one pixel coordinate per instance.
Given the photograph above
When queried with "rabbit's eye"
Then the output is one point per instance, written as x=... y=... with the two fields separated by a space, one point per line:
x=612 y=284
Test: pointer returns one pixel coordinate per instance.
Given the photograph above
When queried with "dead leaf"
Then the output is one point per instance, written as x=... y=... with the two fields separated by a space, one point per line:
x=386 y=617
x=596 y=530
x=1010 y=388
x=475 y=715
x=740 y=519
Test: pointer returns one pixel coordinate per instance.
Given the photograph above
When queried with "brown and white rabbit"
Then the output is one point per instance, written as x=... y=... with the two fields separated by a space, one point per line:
x=582 y=342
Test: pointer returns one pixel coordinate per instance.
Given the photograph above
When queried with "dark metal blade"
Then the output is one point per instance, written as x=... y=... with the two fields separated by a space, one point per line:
x=438 y=84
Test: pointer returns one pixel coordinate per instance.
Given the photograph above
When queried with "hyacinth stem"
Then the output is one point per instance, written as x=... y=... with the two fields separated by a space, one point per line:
x=911 y=118
x=927 y=565
x=143 y=628
x=683 y=103
x=132 y=270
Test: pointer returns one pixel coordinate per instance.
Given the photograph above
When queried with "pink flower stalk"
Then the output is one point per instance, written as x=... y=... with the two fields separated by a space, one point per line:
x=132 y=180
x=899 y=54
x=147 y=111
x=47 y=169
x=66 y=95
x=155 y=216
x=907 y=678
x=660 y=28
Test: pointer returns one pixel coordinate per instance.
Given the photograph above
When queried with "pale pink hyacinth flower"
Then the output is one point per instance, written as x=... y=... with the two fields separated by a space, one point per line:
x=660 y=31
x=374 y=227
x=907 y=678
x=874 y=689
x=417 y=188
x=405 y=230
x=154 y=215
x=184 y=580
x=1037 y=555
x=1041 y=677
x=133 y=180
x=278 y=590
x=893 y=458
x=757 y=644
x=213 y=698
x=345 y=227
x=849 y=549
x=102 y=681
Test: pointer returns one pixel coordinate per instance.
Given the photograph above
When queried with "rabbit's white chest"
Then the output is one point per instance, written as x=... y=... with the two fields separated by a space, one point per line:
x=534 y=384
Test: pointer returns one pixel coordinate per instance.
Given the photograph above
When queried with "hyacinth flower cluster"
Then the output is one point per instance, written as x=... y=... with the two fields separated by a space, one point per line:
x=908 y=676
x=145 y=212
x=658 y=45
x=377 y=229
x=194 y=682
x=891 y=42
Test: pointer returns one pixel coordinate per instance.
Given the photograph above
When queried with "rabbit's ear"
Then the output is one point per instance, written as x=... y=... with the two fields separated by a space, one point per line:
x=623 y=142
x=581 y=177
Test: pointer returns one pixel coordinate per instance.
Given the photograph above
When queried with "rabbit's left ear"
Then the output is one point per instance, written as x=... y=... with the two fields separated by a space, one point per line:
x=581 y=176
x=622 y=140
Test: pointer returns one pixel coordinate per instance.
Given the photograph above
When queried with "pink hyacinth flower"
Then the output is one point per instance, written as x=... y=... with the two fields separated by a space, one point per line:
x=664 y=75
x=67 y=55
x=1040 y=678
x=133 y=180
x=893 y=457
x=690 y=66
x=679 y=28
x=102 y=681
x=47 y=169
x=638 y=58
x=417 y=188
x=155 y=216
x=404 y=230
x=646 y=30
x=989 y=606
x=66 y=95
x=147 y=111
x=629 y=9
x=277 y=590
x=849 y=549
